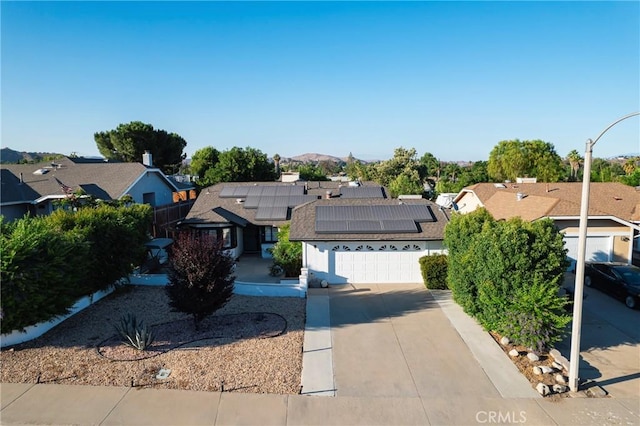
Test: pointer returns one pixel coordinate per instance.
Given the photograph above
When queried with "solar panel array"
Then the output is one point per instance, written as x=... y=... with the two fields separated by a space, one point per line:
x=371 y=219
x=258 y=190
x=361 y=192
x=271 y=201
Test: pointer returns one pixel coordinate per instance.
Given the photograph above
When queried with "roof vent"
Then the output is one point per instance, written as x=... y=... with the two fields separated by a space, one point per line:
x=499 y=185
x=41 y=172
x=520 y=196
x=239 y=200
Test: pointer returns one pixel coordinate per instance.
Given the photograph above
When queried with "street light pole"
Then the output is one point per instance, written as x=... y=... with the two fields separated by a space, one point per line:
x=582 y=249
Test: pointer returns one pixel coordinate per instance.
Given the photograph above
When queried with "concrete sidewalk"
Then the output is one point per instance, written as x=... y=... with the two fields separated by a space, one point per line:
x=393 y=355
x=87 y=405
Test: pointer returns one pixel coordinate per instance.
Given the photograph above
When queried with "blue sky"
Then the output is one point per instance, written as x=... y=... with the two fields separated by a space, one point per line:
x=449 y=78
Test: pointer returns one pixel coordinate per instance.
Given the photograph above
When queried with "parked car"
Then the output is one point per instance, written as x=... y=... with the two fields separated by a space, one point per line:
x=618 y=279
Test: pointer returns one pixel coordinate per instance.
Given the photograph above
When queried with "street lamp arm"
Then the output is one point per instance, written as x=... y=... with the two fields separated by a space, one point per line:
x=633 y=114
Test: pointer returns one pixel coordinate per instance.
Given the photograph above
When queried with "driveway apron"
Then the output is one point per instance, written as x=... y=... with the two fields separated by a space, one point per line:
x=393 y=340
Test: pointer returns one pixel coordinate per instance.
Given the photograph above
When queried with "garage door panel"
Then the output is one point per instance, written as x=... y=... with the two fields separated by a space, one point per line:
x=377 y=266
x=598 y=249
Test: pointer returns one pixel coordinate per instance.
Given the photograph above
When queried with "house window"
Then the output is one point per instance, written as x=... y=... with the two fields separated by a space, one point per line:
x=226 y=235
x=269 y=234
x=149 y=198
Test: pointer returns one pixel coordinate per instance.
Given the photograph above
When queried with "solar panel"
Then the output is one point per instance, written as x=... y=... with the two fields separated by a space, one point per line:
x=361 y=192
x=330 y=226
x=272 y=213
x=359 y=226
x=399 y=225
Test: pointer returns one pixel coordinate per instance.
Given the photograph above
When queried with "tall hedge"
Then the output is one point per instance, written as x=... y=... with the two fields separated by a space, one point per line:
x=49 y=262
x=40 y=270
x=508 y=274
x=116 y=237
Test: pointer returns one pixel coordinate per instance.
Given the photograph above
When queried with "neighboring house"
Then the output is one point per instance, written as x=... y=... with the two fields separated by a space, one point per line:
x=368 y=240
x=246 y=215
x=33 y=188
x=614 y=212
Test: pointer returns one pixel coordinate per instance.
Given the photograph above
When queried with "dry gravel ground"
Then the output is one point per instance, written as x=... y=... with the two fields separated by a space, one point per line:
x=252 y=344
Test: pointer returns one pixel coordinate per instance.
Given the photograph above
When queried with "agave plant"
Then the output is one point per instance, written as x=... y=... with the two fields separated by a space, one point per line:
x=134 y=333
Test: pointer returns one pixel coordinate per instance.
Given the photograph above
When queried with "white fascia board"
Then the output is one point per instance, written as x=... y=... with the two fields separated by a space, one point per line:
x=613 y=218
x=48 y=197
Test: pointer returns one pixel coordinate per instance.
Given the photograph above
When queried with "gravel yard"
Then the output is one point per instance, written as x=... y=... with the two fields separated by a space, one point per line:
x=252 y=344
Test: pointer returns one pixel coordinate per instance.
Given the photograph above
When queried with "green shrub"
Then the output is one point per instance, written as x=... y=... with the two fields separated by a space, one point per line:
x=434 y=271
x=40 y=271
x=507 y=275
x=287 y=254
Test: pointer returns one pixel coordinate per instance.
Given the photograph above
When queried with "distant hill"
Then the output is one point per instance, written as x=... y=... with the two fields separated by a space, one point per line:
x=8 y=155
x=316 y=158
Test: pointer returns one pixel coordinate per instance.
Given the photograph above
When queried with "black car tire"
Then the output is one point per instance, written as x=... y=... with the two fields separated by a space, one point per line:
x=630 y=301
x=587 y=281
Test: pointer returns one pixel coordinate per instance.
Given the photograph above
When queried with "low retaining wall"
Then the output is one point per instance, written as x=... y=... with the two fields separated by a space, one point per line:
x=37 y=330
x=290 y=288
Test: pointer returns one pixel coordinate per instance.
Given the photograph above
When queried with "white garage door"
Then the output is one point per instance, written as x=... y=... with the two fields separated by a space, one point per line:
x=378 y=266
x=598 y=249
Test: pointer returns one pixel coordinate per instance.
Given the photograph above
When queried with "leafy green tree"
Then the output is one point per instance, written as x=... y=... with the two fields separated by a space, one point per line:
x=430 y=165
x=605 y=171
x=512 y=159
x=407 y=183
x=310 y=172
x=241 y=165
x=129 y=141
x=632 y=179
x=287 y=254
x=202 y=160
x=200 y=276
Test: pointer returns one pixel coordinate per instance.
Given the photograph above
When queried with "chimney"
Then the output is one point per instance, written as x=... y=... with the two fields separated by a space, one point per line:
x=147 y=159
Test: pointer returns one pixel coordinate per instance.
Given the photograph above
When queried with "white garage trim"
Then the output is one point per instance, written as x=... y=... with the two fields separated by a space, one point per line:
x=368 y=262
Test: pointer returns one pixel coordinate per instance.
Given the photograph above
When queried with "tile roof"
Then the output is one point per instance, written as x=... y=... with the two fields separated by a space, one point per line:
x=557 y=199
x=107 y=180
x=303 y=222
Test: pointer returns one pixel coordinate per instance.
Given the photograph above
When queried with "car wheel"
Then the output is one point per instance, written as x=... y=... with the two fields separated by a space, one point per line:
x=587 y=281
x=630 y=301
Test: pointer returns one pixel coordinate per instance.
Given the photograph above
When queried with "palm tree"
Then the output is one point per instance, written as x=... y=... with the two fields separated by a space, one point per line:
x=574 y=160
x=276 y=161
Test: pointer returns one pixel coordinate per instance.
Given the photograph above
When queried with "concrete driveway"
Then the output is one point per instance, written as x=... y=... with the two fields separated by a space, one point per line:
x=395 y=341
x=609 y=344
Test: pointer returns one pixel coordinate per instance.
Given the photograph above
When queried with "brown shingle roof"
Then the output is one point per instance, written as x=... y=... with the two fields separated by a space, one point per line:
x=209 y=201
x=304 y=218
x=558 y=199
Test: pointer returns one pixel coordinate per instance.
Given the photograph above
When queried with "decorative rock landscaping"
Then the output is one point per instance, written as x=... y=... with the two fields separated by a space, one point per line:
x=546 y=371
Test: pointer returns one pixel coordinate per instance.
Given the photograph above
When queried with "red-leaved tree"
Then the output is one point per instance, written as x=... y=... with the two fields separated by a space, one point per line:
x=200 y=275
